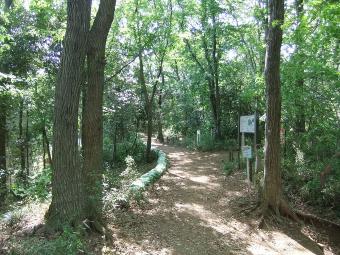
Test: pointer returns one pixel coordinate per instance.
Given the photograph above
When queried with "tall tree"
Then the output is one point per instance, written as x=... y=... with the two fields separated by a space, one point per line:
x=300 y=116
x=68 y=201
x=3 y=169
x=3 y=130
x=272 y=194
x=144 y=33
x=209 y=65
x=92 y=132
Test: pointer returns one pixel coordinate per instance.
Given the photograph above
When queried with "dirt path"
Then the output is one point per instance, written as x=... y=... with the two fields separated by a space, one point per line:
x=195 y=210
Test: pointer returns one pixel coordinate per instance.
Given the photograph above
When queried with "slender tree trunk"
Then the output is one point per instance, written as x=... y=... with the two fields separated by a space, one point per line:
x=27 y=138
x=21 y=141
x=114 y=146
x=160 y=136
x=3 y=169
x=149 y=131
x=47 y=147
x=68 y=201
x=300 y=125
x=272 y=172
x=93 y=111
x=44 y=150
x=148 y=106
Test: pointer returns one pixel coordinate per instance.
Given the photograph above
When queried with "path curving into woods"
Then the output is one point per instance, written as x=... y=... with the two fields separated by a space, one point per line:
x=195 y=210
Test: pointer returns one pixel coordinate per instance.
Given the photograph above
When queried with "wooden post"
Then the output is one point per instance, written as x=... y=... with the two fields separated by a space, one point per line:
x=256 y=158
x=238 y=141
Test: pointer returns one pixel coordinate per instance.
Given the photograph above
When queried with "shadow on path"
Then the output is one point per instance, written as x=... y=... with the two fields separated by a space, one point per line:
x=195 y=210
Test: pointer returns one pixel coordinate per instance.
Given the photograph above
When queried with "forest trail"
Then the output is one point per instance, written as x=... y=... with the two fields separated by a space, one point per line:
x=195 y=210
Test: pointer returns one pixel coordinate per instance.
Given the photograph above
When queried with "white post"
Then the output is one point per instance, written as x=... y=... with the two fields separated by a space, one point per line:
x=198 y=137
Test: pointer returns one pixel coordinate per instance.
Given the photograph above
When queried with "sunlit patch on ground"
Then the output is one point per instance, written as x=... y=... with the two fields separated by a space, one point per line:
x=197 y=213
x=193 y=210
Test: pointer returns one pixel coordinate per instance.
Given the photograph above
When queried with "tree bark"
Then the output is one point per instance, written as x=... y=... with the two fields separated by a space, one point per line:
x=272 y=193
x=21 y=142
x=47 y=146
x=3 y=133
x=44 y=151
x=8 y=4
x=300 y=125
x=160 y=136
x=3 y=169
x=68 y=203
x=93 y=111
x=27 y=148
x=148 y=106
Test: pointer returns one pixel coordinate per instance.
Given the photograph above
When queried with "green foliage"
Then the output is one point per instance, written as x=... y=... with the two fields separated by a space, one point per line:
x=38 y=187
x=69 y=242
x=229 y=167
x=303 y=179
x=208 y=143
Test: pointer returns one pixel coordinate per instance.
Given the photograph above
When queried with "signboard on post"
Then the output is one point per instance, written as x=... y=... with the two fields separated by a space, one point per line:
x=247 y=124
x=246 y=152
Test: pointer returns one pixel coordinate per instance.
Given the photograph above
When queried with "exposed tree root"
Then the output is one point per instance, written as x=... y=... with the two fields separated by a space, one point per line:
x=317 y=221
x=250 y=208
x=287 y=211
x=270 y=214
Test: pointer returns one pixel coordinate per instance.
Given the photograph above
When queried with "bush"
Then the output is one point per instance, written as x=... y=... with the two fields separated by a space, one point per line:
x=303 y=179
x=132 y=145
x=229 y=167
x=38 y=187
x=69 y=242
x=208 y=143
x=122 y=184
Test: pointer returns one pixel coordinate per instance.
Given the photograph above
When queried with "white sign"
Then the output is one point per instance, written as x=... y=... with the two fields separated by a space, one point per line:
x=247 y=124
x=246 y=152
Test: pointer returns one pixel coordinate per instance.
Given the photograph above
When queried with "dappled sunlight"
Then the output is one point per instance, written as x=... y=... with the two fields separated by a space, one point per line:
x=194 y=210
x=277 y=243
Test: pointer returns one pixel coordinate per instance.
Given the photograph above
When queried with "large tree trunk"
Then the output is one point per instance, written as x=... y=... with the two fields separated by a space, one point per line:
x=3 y=133
x=3 y=169
x=272 y=193
x=68 y=203
x=93 y=111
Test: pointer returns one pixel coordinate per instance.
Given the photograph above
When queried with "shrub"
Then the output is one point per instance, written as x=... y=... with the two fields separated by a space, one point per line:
x=69 y=242
x=229 y=167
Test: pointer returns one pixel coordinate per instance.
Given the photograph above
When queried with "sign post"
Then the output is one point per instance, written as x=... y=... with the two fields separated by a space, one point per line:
x=198 y=137
x=247 y=125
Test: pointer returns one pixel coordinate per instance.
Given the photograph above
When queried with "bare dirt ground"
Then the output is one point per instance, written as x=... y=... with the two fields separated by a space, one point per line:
x=195 y=210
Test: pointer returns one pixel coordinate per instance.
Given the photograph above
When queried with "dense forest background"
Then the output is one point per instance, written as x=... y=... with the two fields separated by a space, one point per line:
x=171 y=68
